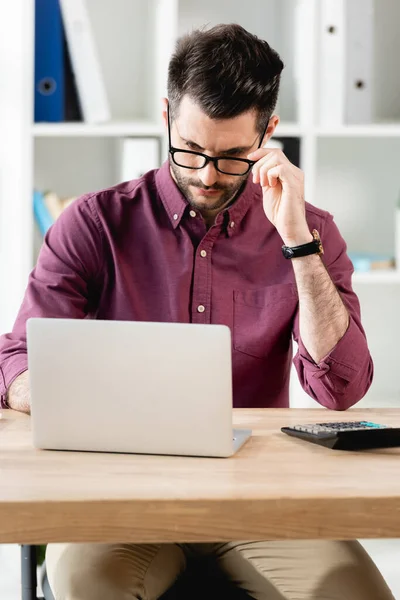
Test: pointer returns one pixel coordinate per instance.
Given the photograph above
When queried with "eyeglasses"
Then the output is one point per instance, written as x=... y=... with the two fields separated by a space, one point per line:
x=198 y=160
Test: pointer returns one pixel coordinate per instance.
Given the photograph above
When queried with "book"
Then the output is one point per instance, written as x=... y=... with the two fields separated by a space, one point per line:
x=85 y=61
x=41 y=212
x=47 y=207
x=55 y=205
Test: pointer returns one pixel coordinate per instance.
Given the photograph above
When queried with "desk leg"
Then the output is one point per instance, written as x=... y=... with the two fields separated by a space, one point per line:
x=28 y=572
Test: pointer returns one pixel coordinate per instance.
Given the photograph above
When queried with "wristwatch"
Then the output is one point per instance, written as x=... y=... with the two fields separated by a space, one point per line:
x=314 y=247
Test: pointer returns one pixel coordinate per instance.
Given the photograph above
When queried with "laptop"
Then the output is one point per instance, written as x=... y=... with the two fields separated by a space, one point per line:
x=126 y=386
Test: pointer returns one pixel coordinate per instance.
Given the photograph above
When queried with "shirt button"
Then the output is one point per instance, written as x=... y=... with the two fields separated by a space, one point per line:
x=203 y=253
x=192 y=213
x=175 y=217
x=200 y=308
x=232 y=223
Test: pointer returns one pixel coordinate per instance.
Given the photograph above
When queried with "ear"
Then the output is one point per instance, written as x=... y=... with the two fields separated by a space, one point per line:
x=272 y=125
x=164 y=112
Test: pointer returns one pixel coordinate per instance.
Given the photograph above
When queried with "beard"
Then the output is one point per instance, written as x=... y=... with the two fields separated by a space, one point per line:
x=205 y=203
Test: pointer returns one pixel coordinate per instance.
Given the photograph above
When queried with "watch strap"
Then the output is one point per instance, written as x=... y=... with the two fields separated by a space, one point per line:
x=313 y=247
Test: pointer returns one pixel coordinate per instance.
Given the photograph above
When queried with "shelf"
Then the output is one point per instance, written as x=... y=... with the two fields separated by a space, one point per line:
x=112 y=129
x=371 y=130
x=127 y=128
x=384 y=276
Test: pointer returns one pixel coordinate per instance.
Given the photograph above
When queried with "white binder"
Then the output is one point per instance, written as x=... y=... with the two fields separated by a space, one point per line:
x=85 y=61
x=137 y=156
x=346 y=35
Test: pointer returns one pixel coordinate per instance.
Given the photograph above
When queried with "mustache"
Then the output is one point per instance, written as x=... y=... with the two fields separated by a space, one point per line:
x=215 y=186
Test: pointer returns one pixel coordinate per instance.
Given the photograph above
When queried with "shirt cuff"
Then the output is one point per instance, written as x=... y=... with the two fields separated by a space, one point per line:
x=344 y=360
x=10 y=370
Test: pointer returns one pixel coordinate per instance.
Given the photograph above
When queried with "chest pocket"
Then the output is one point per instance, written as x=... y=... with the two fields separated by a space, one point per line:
x=263 y=319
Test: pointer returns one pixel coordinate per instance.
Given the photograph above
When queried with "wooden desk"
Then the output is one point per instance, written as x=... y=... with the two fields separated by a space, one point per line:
x=275 y=487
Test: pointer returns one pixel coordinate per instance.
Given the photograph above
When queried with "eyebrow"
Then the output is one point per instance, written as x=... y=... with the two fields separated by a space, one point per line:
x=236 y=150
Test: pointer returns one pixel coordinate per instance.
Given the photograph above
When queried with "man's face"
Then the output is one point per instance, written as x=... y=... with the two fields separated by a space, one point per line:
x=207 y=189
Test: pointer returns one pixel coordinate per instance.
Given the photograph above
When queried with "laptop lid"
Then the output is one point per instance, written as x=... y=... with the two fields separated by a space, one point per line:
x=119 y=386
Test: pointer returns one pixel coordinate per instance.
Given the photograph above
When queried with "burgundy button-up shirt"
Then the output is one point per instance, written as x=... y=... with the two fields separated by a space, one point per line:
x=138 y=251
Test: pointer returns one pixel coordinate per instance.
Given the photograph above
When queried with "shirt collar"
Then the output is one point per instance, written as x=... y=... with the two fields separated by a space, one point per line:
x=250 y=194
x=175 y=202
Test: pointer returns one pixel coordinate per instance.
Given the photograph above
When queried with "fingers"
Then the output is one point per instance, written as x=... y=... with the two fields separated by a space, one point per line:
x=275 y=166
x=268 y=172
x=273 y=158
x=270 y=177
x=259 y=153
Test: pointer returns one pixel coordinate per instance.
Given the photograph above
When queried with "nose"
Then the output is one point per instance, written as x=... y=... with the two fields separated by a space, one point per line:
x=209 y=175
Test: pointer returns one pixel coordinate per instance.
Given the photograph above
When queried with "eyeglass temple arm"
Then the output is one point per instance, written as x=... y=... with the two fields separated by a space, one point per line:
x=263 y=134
x=169 y=127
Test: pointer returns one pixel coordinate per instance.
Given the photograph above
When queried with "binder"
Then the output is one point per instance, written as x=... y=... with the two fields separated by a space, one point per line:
x=49 y=62
x=85 y=61
x=346 y=36
x=138 y=156
x=72 y=106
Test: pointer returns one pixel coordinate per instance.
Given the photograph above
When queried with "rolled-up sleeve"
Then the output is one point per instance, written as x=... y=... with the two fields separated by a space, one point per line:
x=61 y=285
x=344 y=376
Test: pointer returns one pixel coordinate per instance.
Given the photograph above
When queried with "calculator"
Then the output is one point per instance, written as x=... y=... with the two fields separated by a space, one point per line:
x=347 y=435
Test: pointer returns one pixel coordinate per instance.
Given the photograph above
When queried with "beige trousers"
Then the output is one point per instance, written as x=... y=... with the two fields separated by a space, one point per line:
x=284 y=570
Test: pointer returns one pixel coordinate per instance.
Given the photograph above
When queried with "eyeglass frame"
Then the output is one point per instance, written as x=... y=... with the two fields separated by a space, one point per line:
x=214 y=159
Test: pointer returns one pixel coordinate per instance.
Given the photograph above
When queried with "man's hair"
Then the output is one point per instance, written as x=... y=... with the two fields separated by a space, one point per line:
x=226 y=71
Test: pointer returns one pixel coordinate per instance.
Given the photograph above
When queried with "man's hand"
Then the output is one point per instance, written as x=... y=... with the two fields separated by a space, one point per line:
x=283 y=194
x=18 y=397
x=323 y=316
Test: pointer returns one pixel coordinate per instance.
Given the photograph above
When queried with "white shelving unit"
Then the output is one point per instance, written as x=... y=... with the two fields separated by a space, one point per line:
x=385 y=276
x=113 y=129
x=352 y=171
x=374 y=130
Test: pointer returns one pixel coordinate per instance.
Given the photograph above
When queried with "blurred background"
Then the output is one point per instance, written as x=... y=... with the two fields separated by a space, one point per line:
x=81 y=83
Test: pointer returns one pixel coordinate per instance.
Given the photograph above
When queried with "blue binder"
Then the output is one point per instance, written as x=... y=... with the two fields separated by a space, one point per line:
x=49 y=62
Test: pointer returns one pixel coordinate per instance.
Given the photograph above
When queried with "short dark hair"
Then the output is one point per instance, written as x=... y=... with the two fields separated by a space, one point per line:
x=227 y=71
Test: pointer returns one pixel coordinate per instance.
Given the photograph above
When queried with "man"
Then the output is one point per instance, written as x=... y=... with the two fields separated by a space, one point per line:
x=200 y=240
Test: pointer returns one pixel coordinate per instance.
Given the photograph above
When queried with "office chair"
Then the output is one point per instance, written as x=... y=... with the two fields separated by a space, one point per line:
x=201 y=580
x=29 y=575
